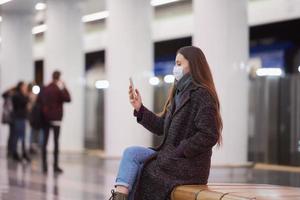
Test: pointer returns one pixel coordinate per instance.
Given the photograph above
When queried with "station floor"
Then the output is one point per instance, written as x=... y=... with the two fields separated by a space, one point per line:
x=88 y=177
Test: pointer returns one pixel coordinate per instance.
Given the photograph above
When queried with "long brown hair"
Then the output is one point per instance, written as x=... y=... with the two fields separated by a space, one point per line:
x=202 y=77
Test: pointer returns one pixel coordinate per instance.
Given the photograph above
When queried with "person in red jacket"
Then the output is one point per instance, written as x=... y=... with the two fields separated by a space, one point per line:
x=53 y=97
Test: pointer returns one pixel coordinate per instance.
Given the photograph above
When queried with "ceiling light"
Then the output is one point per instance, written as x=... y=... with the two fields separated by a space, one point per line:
x=269 y=72
x=299 y=69
x=162 y=2
x=36 y=89
x=169 y=78
x=101 y=84
x=154 y=80
x=40 y=6
x=39 y=29
x=87 y=18
x=95 y=16
x=4 y=1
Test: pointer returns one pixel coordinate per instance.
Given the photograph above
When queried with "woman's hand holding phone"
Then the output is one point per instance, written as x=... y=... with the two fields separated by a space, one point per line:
x=134 y=97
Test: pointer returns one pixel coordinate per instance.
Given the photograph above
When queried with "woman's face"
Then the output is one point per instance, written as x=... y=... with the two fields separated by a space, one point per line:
x=182 y=62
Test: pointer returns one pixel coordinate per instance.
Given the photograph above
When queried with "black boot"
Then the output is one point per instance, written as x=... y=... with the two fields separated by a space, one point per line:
x=16 y=157
x=118 y=196
x=58 y=170
x=44 y=169
x=26 y=157
x=9 y=154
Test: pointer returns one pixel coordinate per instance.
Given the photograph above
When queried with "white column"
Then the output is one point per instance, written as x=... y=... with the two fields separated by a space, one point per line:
x=16 y=48
x=221 y=31
x=129 y=53
x=64 y=52
x=17 y=41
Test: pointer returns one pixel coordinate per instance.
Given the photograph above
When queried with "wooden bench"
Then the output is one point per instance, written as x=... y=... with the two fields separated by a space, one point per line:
x=235 y=192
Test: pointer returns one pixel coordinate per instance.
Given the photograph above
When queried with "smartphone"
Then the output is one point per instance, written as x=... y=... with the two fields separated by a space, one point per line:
x=131 y=83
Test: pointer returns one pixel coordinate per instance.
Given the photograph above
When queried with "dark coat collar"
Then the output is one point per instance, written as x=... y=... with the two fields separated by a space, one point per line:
x=184 y=82
x=186 y=95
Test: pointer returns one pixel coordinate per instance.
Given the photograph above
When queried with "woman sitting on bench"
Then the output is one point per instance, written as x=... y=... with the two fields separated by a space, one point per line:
x=191 y=124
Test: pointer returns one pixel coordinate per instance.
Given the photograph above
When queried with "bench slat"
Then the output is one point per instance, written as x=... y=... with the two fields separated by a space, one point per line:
x=234 y=192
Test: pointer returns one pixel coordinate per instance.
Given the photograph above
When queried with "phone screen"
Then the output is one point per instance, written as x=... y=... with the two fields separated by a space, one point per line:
x=131 y=83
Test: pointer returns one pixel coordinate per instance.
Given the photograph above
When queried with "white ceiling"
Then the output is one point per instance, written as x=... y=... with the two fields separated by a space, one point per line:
x=88 y=6
x=92 y=6
x=19 y=5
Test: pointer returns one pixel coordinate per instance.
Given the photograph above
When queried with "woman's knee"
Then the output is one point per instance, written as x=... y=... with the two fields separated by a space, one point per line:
x=136 y=153
x=131 y=151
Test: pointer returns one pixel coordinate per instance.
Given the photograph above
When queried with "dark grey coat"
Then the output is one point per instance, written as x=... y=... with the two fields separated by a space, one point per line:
x=185 y=154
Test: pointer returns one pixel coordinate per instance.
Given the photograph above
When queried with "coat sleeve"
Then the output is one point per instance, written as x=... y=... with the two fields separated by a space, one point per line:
x=150 y=121
x=65 y=95
x=206 y=135
x=5 y=94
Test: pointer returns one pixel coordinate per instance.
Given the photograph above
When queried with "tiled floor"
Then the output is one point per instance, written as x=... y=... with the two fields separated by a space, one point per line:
x=90 y=178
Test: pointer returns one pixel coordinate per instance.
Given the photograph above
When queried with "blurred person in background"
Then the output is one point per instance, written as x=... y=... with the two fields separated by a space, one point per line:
x=7 y=118
x=53 y=97
x=35 y=118
x=20 y=101
x=191 y=124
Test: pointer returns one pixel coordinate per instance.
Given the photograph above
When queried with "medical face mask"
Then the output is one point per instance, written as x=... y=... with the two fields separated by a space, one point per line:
x=178 y=72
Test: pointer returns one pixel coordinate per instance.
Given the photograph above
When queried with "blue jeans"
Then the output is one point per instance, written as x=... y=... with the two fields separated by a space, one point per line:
x=19 y=134
x=131 y=163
